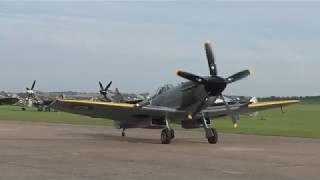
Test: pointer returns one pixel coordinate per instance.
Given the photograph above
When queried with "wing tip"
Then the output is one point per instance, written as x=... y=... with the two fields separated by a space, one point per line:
x=274 y=103
x=291 y=101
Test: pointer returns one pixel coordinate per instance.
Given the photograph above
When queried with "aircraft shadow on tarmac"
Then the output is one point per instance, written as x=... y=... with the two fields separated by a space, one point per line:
x=107 y=137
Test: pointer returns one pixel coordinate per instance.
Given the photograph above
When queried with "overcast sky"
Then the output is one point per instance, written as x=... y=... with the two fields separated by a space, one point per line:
x=71 y=46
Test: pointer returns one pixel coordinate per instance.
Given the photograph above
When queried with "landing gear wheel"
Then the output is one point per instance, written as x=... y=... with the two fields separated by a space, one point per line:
x=166 y=136
x=213 y=139
x=172 y=133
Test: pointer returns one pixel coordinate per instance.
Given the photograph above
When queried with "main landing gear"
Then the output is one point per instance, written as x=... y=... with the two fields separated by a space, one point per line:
x=214 y=138
x=167 y=134
x=123 y=133
x=211 y=133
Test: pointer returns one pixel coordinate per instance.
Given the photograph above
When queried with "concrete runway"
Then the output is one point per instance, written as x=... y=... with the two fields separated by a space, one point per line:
x=39 y=151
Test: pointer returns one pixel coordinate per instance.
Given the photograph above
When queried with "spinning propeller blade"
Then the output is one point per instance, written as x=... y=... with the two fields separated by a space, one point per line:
x=33 y=84
x=101 y=86
x=107 y=87
x=190 y=77
x=104 y=91
x=238 y=76
x=210 y=58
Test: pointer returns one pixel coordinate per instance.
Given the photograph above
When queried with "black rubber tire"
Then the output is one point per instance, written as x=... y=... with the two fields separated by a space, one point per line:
x=214 y=138
x=166 y=136
x=172 y=134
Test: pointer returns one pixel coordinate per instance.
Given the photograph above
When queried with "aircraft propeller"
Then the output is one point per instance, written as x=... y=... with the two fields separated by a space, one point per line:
x=30 y=92
x=214 y=84
x=104 y=91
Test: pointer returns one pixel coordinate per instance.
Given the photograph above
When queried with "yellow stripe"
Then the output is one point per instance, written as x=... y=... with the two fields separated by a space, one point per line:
x=272 y=103
x=99 y=103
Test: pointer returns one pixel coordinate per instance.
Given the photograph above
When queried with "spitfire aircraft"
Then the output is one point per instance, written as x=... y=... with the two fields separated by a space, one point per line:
x=38 y=99
x=6 y=99
x=187 y=103
x=116 y=96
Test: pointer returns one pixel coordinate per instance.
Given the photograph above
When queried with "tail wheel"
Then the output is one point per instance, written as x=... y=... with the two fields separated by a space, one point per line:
x=213 y=139
x=166 y=136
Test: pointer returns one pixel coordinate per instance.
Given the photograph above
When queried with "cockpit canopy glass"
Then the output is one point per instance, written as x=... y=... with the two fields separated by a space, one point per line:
x=163 y=89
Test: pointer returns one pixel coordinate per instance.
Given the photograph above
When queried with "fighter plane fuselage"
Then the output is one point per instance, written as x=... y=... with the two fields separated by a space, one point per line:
x=187 y=96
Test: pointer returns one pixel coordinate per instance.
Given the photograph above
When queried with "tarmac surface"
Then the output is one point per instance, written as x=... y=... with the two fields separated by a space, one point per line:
x=39 y=151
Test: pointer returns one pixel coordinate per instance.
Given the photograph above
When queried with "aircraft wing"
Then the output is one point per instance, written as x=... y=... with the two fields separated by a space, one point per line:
x=8 y=101
x=115 y=111
x=216 y=111
x=131 y=113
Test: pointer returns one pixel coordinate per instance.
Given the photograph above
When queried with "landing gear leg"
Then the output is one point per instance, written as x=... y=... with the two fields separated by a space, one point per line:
x=172 y=133
x=123 y=134
x=211 y=133
x=167 y=134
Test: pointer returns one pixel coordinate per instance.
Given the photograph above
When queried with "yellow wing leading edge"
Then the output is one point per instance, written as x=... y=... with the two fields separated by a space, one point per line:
x=99 y=103
x=272 y=103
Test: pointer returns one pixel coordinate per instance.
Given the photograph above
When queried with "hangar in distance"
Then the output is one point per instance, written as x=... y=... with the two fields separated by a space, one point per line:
x=188 y=103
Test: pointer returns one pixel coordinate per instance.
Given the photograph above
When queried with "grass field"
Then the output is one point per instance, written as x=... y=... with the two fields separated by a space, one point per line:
x=14 y=113
x=302 y=120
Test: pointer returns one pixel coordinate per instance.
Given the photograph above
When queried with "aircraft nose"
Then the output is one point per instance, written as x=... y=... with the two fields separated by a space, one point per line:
x=215 y=85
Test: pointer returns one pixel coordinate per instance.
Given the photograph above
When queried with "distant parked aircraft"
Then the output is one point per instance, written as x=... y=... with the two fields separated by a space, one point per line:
x=38 y=99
